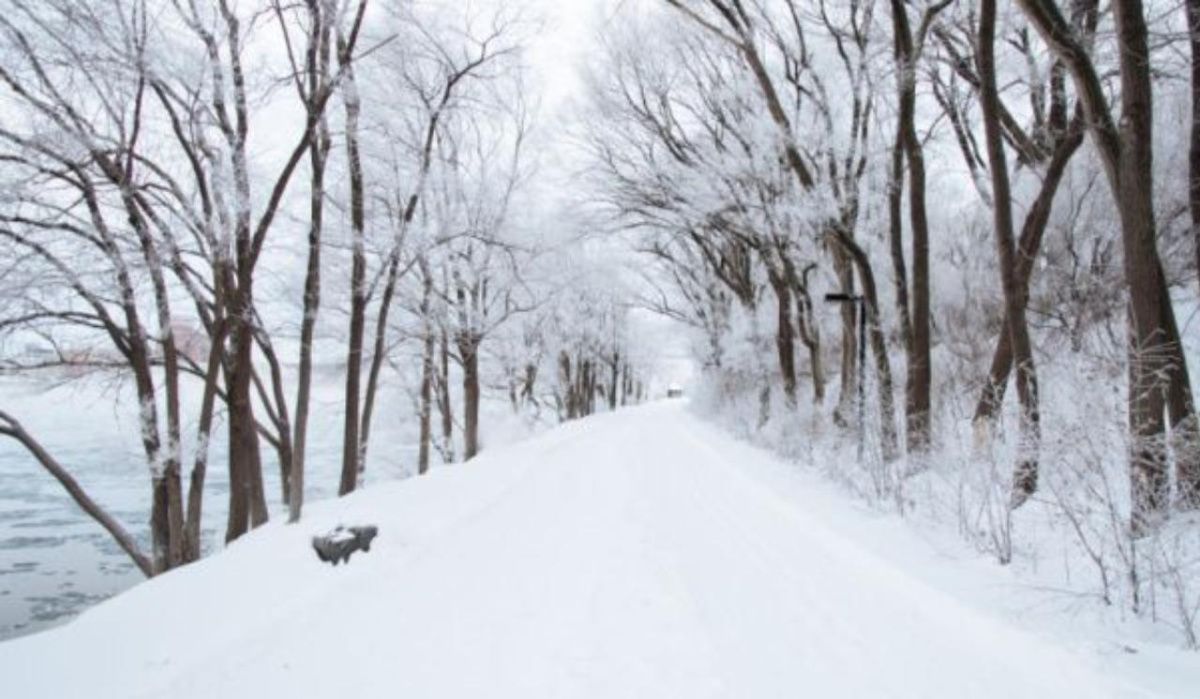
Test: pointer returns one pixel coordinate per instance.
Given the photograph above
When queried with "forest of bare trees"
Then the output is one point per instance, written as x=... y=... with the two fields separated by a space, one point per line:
x=163 y=164
x=869 y=216
x=935 y=166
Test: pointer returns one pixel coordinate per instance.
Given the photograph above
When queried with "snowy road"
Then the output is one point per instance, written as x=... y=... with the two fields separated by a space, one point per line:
x=629 y=555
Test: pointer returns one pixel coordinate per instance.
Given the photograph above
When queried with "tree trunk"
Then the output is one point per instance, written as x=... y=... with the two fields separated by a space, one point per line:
x=294 y=485
x=896 y=237
x=427 y=369
x=354 y=442
x=258 y=492
x=1032 y=232
x=811 y=338
x=806 y=327
x=1157 y=359
x=469 y=349
x=195 y=498
x=785 y=335
x=849 y=348
x=1185 y=428
x=1185 y=424
x=883 y=369
x=312 y=302
x=240 y=438
x=565 y=380
x=583 y=391
x=317 y=68
x=528 y=385
x=444 y=399
x=247 y=502
x=1192 y=8
x=614 y=379
x=277 y=413
x=1025 y=474
x=167 y=509
x=1157 y=366
x=593 y=379
x=581 y=384
x=918 y=384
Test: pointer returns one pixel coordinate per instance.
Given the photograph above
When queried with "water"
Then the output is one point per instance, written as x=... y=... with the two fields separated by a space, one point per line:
x=55 y=561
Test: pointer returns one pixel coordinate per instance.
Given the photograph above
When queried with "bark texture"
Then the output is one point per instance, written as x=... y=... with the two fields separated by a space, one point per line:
x=1025 y=474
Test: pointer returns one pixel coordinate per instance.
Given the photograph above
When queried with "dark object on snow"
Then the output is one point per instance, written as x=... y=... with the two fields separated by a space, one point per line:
x=674 y=391
x=338 y=544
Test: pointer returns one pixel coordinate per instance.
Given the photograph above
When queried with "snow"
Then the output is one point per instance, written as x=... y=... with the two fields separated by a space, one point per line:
x=339 y=534
x=639 y=553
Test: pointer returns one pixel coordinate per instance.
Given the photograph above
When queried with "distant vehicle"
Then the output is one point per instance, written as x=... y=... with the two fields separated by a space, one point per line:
x=674 y=391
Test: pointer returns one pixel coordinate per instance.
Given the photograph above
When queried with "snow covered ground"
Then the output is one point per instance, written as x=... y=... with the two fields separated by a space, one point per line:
x=640 y=553
x=55 y=562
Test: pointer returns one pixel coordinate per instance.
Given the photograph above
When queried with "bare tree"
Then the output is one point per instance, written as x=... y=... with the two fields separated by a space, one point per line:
x=92 y=172
x=441 y=74
x=485 y=288
x=908 y=49
x=311 y=82
x=1192 y=8
x=1159 y=381
x=733 y=24
x=1025 y=476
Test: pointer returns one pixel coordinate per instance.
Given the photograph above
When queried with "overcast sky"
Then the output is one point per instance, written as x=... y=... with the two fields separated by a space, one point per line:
x=559 y=49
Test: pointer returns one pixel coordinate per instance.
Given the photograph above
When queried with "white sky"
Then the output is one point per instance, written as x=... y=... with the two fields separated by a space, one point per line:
x=560 y=48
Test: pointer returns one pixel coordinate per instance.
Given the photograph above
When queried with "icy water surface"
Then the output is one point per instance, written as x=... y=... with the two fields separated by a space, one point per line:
x=55 y=561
